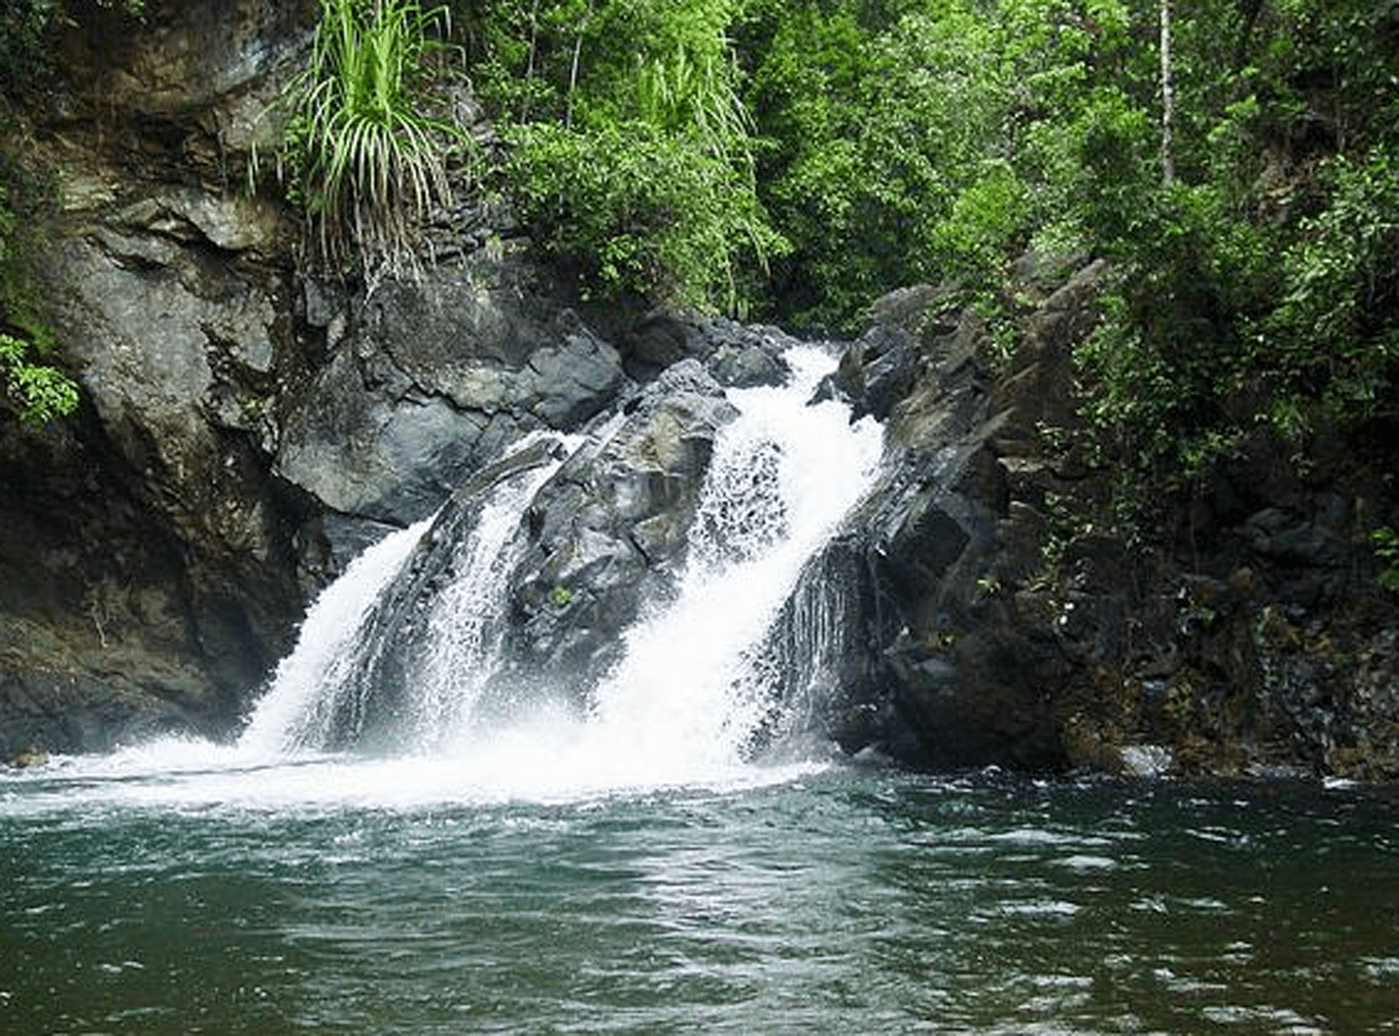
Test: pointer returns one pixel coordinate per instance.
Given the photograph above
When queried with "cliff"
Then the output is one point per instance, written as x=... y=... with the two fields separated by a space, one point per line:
x=248 y=426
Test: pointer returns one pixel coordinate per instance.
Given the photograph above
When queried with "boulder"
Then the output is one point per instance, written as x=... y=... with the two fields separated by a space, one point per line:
x=608 y=532
x=433 y=379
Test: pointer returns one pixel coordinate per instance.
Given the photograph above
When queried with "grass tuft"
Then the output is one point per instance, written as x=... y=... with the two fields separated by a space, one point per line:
x=367 y=155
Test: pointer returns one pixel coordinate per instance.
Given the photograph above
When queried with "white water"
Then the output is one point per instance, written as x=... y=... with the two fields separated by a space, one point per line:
x=465 y=631
x=676 y=711
x=296 y=709
x=683 y=702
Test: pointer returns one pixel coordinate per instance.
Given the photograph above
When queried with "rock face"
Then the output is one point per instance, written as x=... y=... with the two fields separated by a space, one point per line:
x=424 y=383
x=148 y=568
x=986 y=604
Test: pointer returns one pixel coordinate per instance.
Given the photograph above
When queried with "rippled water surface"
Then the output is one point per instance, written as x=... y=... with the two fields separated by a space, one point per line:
x=325 y=897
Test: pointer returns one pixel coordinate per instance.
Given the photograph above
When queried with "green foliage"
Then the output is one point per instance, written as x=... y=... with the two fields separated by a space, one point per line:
x=38 y=391
x=632 y=157
x=1167 y=365
x=1385 y=542
x=366 y=154
x=1334 y=332
x=34 y=389
x=887 y=163
x=1264 y=286
x=639 y=211
x=921 y=141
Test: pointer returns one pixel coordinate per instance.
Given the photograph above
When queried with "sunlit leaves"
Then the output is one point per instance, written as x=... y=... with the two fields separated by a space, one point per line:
x=38 y=392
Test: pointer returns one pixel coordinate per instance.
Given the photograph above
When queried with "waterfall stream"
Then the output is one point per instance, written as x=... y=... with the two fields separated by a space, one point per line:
x=691 y=687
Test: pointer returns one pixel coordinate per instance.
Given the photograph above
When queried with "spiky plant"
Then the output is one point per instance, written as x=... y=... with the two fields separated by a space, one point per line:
x=367 y=157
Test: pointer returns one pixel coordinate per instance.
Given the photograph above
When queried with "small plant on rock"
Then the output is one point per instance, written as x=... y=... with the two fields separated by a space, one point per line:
x=1386 y=545
x=39 y=391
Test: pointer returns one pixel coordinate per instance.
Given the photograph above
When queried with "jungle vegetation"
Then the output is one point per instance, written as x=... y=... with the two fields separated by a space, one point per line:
x=1237 y=161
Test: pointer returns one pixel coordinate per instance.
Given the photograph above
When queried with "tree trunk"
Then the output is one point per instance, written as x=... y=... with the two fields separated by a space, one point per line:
x=1168 y=99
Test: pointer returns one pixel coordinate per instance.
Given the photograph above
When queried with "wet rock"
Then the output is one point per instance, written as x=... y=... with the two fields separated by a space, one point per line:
x=433 y=382
x=608 y=531
x=935 y=669
x=28 y=758
x=737 y=355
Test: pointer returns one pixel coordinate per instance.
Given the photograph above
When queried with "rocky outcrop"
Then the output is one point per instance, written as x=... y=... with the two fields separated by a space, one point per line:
x=607 y=532
x=246 y=428
x=148 y=565
x=989 y=604
x=604 y=536
x=898 y=641
x=418 y=385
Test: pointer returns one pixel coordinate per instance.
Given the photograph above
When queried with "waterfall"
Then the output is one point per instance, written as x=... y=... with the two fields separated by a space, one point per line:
x=464 y=628
x=339 y=653
x=695 y=684
x=692 y=684
x=303 y=686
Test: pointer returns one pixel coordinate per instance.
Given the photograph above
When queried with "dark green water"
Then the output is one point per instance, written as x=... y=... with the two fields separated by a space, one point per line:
x=227 y=902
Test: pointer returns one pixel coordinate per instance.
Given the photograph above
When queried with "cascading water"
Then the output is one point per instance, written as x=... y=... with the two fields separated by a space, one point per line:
x=691 y=687
x=694 y=685
x=295 y=709
x=465 y=627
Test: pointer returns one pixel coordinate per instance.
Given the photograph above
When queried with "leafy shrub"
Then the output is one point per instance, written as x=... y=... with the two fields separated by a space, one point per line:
x=39 y=392
x=632 y=158
x=638 y=211
x=1335 y=332
x=1385 y=543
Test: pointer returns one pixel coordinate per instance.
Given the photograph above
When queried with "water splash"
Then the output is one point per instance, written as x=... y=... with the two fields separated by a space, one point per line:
x=301 y=698
x=694 y=683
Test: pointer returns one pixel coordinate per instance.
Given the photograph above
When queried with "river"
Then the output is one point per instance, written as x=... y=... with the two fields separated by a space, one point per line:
x=374 y=897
